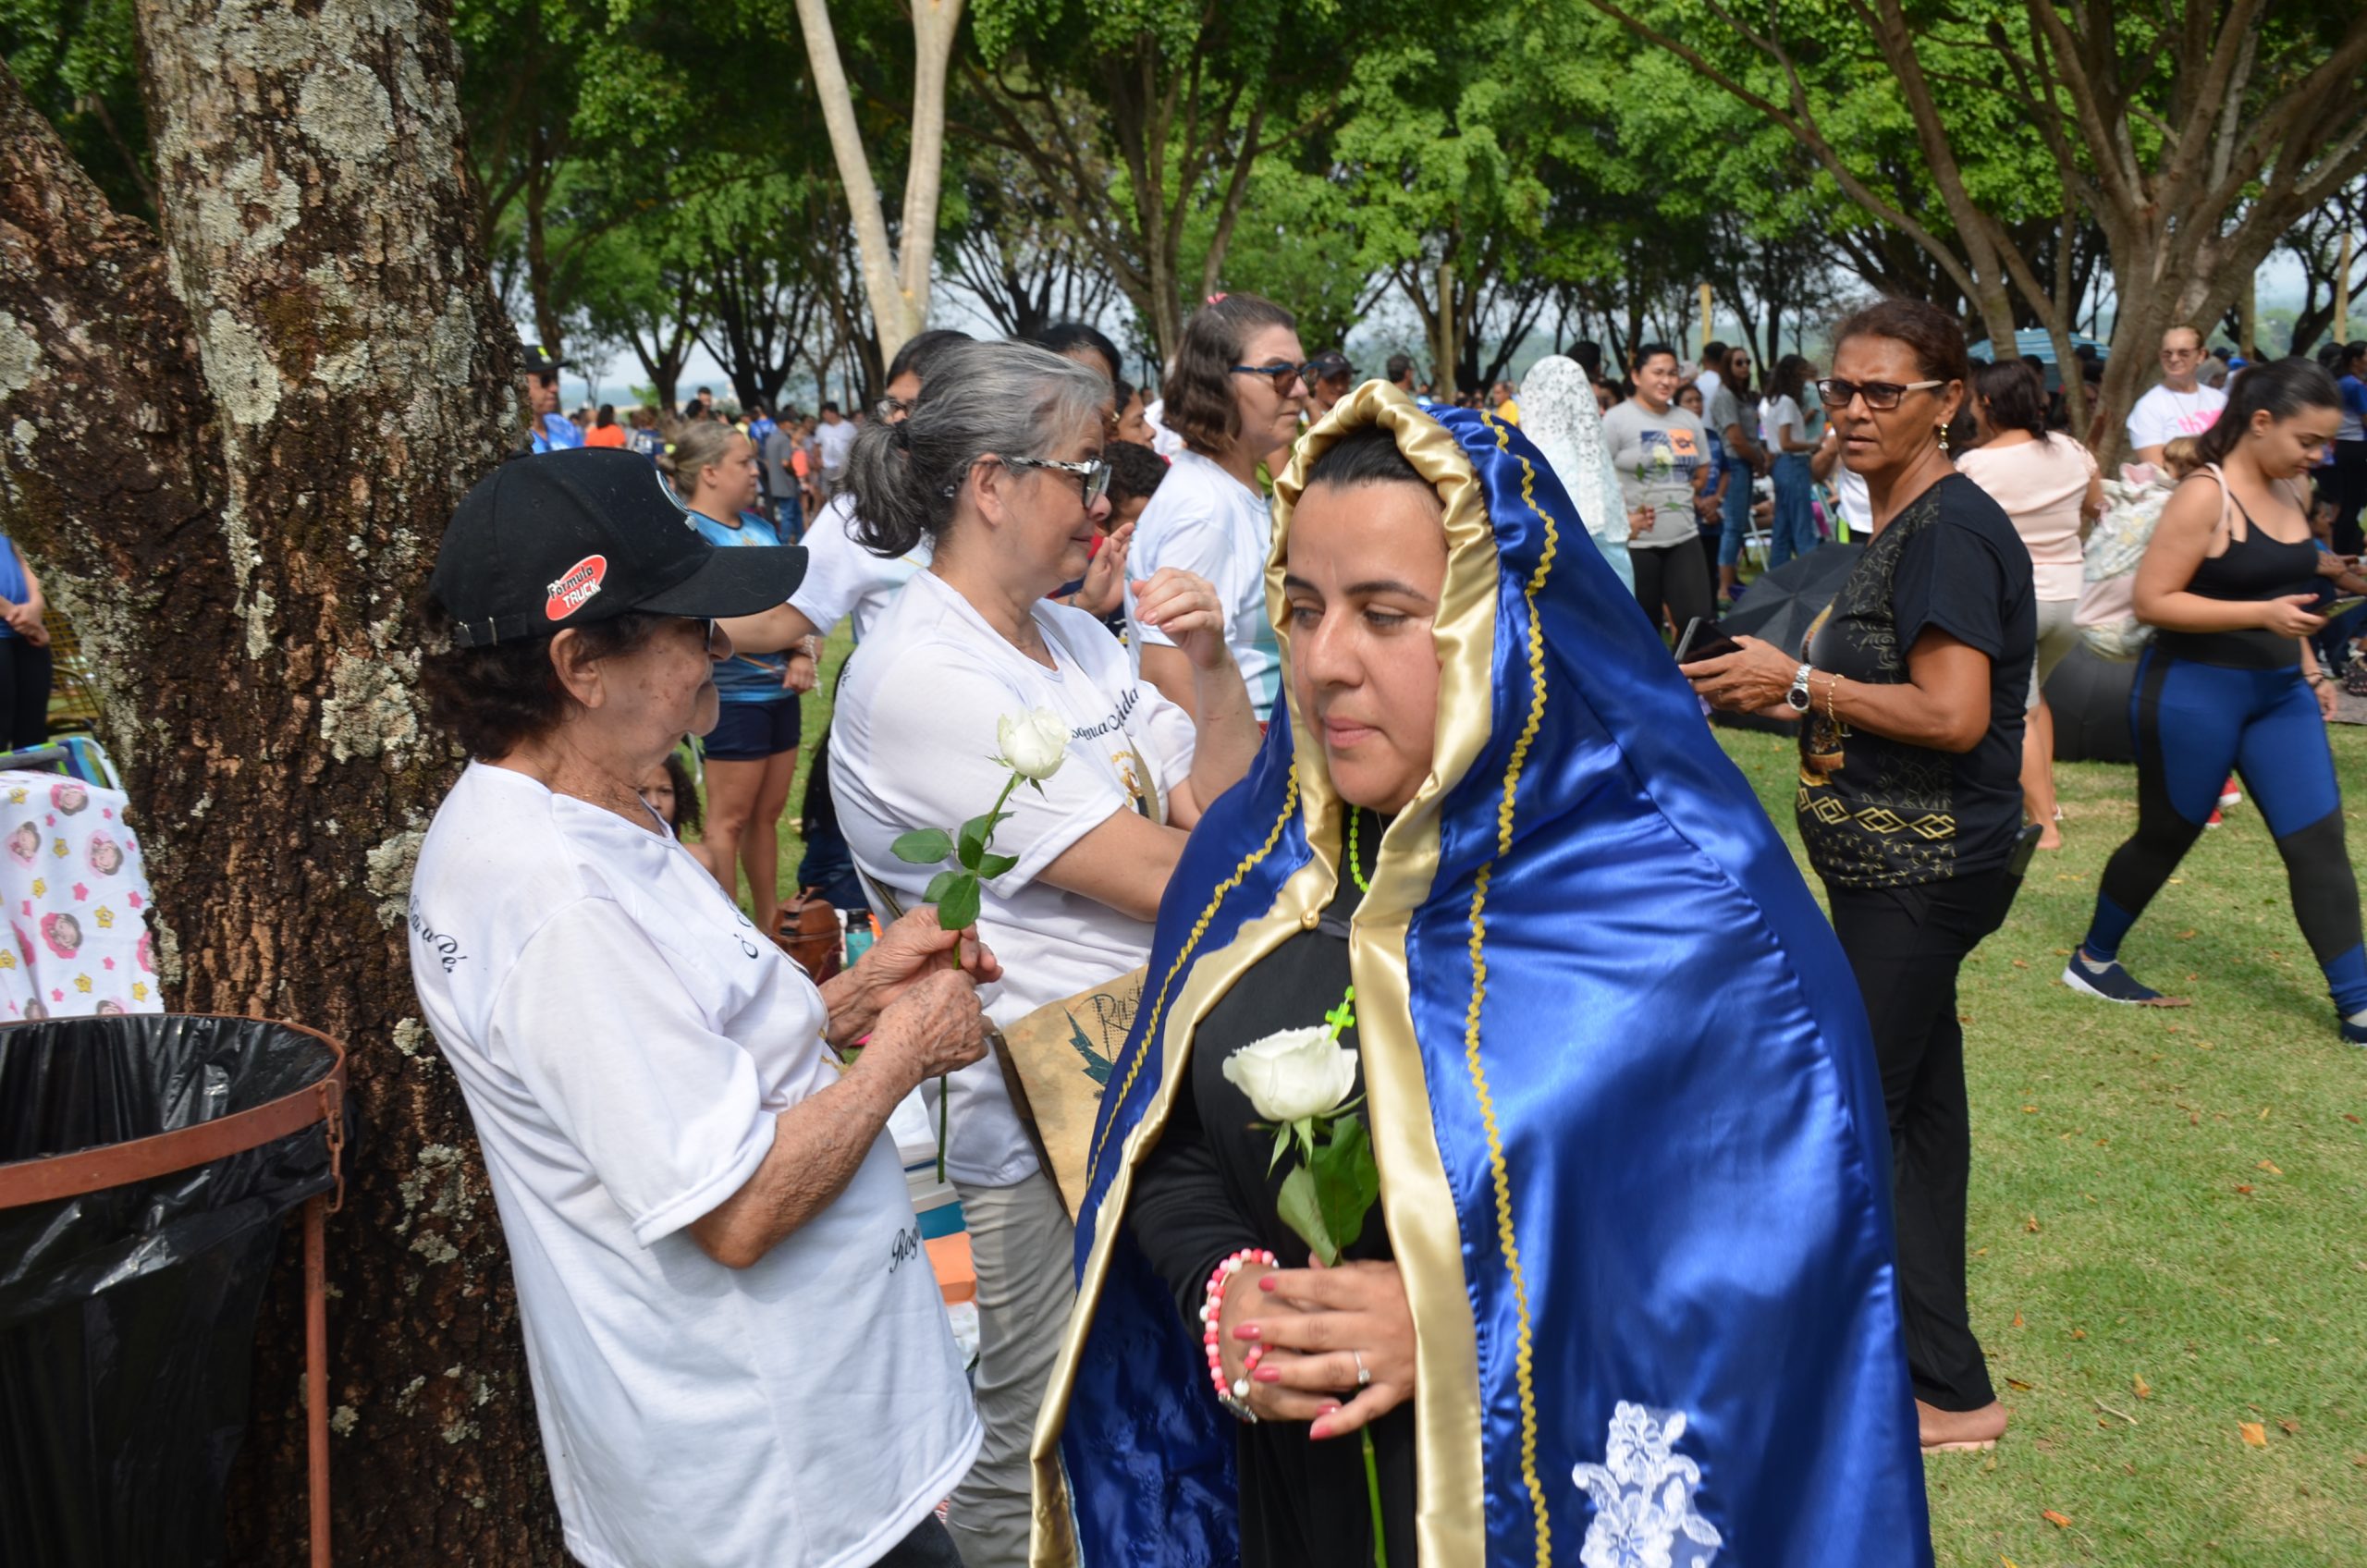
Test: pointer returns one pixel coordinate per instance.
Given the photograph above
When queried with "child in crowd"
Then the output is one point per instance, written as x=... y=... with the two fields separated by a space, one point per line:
x=674 y=797
x=1135 y=474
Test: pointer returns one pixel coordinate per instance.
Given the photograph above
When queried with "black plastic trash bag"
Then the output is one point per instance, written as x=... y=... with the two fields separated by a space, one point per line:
x=128 y=1315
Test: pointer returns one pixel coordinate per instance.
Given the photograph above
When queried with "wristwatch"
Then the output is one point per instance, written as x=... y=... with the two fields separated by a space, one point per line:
x=1798 y=695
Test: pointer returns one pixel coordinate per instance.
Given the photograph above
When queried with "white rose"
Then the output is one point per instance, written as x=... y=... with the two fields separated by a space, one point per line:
x=1033 y=744
x=1295 y=1074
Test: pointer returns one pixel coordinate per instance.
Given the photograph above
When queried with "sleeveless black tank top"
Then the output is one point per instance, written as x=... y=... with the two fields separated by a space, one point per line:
x=2256 y=568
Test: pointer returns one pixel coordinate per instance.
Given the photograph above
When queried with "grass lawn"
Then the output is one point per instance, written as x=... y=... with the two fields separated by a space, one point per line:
x=2169 y=1211
x=2169 y=1215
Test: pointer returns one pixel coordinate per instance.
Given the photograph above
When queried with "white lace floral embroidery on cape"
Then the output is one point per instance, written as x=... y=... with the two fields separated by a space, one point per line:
x=1643 y=1497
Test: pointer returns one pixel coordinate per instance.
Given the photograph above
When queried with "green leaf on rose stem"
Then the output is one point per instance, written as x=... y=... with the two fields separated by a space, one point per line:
x=1304 y=1130
x=923 y=845
x=935 y=893
x=1303 y=1213
x=1281 y=1146
x=959 y=908
x=993 y=866
x=1346 y=1180
x=976 y=834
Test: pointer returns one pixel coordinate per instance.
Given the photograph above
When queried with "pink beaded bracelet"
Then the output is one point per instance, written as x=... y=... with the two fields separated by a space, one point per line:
x=1235 y=1397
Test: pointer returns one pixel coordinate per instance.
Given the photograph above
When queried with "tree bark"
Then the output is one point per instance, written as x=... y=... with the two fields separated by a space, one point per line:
x=897 y=287
x=231 y=456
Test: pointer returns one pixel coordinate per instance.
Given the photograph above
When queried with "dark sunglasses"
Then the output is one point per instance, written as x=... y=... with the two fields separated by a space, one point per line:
x=1282 y=375
x=1881 y=395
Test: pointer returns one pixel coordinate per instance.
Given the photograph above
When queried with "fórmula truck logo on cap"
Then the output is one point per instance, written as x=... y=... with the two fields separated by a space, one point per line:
x=575 y=587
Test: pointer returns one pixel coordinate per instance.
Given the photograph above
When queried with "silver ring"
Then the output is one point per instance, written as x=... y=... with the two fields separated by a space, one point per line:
x=1364 y=1373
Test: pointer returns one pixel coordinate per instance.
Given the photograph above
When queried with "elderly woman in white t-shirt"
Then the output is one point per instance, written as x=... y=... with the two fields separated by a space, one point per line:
x=999 y=468
x=1233 y=395
x=738 y=1351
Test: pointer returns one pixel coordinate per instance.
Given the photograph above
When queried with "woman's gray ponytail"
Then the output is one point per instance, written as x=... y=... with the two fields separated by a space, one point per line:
x=1010 y=399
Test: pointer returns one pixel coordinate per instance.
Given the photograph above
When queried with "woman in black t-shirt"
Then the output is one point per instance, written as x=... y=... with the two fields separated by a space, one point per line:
x=1909 y=802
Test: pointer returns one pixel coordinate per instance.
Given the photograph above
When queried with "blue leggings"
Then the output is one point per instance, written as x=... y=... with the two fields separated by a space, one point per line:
x=2194 y=723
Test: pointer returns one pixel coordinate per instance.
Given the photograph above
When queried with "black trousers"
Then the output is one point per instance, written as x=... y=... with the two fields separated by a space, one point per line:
x=24 y=693
x=927 y=1546
x=1675 y=575
x=1906 y=945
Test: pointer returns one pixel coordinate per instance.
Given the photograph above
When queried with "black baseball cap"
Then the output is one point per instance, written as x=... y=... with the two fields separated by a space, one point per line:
x=570 y=538
x=537 y=360
x=1327 y=365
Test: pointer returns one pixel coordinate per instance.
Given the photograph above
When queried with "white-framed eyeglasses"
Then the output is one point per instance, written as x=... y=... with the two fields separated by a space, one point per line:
x=1092 y=472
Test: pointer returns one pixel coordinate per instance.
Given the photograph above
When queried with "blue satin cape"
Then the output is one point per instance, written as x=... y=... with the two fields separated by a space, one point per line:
x=1631 y=1136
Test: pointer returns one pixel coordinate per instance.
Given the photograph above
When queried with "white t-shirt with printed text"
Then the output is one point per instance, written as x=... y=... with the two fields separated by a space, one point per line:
x=913 y=745
x=1201 y=519
x=625 y=1041
x=2162 y=415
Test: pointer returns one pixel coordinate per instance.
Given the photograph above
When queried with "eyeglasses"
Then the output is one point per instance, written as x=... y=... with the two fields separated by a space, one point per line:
x=892 y=408
x=707 y=627
x=1881 y=395
x=1092 y=472
x=1282 y=375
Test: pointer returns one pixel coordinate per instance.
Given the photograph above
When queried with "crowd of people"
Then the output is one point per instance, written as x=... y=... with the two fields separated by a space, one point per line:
x=1345 y=747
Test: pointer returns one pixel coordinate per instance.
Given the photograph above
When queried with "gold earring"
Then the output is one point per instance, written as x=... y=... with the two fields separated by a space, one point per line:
x=1943 y=435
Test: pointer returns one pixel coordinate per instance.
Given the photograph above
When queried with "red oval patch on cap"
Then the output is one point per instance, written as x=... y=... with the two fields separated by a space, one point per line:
x=575 y=587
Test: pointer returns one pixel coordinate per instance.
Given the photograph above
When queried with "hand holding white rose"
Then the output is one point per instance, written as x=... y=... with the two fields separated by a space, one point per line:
x=1033 y=745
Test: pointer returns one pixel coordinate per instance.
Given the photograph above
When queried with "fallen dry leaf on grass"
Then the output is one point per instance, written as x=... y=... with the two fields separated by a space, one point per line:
x=2255 y=1434
x=2030 y=1224
x=2143 y=1389
x=2079 y=1333
x=2292 y=1428
x=2017 y=1383
x=2017 y=1320
x=2060 y=1521
x=2243 y=1189
x=2270 y=1166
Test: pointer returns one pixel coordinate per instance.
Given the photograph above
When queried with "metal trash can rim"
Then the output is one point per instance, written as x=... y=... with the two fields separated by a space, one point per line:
x=51 y=1177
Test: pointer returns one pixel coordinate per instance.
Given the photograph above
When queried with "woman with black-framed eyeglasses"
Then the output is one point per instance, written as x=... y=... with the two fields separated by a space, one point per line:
x=999 y=469
x=1234 y=393
x=1909 y=694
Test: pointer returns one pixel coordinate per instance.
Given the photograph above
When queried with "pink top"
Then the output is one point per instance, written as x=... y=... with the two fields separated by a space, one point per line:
x=2041 y=485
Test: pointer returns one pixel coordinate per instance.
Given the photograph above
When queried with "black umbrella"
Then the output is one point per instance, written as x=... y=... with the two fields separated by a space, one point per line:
x=2090 y=696
x=1781 y=605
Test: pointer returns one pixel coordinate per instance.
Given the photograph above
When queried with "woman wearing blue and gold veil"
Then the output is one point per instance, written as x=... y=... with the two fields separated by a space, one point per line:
x=1627 y=1293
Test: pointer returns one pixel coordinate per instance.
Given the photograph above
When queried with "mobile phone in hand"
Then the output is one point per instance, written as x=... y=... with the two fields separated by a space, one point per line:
x=1715 y=643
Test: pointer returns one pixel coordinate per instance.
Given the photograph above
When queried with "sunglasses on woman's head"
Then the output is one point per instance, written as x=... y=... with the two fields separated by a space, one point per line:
x=1093 y=472
x=1280 y=374
x=1881 y=395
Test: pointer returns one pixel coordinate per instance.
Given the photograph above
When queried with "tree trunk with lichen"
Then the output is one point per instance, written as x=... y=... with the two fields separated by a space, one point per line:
x=230 y=454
